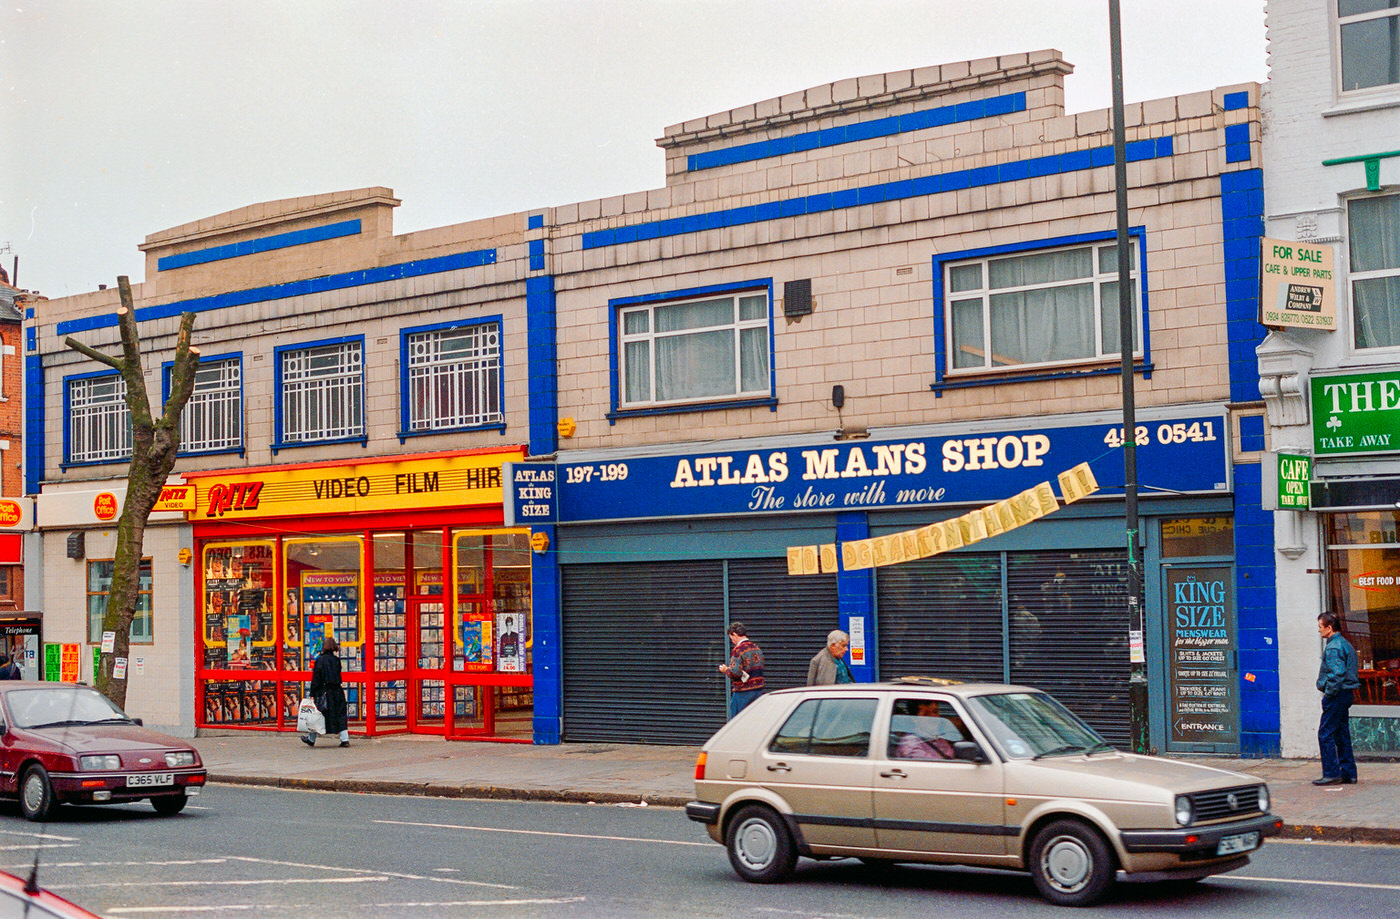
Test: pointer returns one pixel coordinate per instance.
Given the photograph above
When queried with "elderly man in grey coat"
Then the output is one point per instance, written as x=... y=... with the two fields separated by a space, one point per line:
x=829 y=665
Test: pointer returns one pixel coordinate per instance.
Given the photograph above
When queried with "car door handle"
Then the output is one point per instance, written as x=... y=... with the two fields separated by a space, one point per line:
x=779 y=767
x=894 y=774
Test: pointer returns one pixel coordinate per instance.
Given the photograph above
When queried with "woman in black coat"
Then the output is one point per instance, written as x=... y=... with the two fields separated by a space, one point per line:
x=328 y=692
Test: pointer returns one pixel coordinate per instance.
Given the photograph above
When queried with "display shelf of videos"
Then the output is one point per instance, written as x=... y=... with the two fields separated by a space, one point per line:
x=241 y=702
x=431 y=635
x=238 y=608
x=338 y=603
x=390 y=651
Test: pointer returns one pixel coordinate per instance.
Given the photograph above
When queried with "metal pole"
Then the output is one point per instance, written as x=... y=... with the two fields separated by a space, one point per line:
x=1137 y=675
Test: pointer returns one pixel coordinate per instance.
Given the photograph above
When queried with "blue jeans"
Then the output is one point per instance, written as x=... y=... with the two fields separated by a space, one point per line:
x=1334 y=736
x=739 y=700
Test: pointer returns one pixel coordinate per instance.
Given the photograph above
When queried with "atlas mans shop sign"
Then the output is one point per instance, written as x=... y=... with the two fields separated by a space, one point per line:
x=1175 y=455
x=1357 y=413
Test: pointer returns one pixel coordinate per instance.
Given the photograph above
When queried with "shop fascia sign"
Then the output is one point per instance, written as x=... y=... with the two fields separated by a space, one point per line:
x=1357 y=413
x=1174 y=455
x=386 y=486
x=530 y=493
x=1297 y=286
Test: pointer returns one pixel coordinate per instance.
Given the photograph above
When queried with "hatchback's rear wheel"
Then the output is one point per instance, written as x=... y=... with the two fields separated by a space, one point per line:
x=1071 y=863
x=760 y=846
x=35 y=793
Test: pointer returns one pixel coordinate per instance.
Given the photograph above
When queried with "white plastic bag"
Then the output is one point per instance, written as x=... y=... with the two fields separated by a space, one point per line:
x=309 y=718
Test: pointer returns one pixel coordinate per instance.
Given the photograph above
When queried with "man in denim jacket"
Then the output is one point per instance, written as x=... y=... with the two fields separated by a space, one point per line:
x=1337 y=681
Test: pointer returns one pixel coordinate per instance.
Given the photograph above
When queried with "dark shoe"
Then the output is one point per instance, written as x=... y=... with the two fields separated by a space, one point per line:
x=308 y=741
x=1329 y=780
x=345 y=743
x=1349 y=781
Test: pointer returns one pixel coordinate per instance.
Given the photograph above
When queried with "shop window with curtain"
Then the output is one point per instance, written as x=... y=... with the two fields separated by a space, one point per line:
x=99 y=585
x=1363 y=588
x=1373 y=237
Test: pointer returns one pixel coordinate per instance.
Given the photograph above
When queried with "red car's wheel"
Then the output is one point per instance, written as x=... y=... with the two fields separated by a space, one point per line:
x=35 y=793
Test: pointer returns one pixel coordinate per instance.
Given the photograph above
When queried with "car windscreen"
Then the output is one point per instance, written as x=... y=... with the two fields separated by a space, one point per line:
x=33 y=708
x=1030 y=725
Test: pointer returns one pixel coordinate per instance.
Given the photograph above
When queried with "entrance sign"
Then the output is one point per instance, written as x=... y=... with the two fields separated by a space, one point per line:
x=1202 y=644
x=1357 y=413
x=1296 y=286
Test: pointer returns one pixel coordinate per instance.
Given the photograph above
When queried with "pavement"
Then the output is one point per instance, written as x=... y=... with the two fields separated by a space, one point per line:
x=637 y=774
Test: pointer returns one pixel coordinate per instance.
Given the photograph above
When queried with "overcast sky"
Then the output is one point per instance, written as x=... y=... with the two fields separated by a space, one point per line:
x=119 y=119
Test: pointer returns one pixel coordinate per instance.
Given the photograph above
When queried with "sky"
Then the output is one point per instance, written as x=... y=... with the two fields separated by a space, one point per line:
x=121 y=118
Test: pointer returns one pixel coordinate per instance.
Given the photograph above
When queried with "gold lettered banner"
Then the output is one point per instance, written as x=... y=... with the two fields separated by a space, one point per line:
x=944 y=536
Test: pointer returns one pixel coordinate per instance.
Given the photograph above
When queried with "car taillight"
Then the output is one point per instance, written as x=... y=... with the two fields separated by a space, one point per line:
x=700 y=767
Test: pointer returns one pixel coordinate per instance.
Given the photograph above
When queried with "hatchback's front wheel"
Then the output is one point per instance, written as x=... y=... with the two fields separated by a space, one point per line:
x=1071 y=864
x=760 y=846
x=35 y=793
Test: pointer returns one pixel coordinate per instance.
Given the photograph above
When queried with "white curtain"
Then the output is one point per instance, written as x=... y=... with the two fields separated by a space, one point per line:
x=1374 y=235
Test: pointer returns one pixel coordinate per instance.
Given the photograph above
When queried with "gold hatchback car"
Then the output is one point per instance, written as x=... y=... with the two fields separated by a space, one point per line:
x=974 y=774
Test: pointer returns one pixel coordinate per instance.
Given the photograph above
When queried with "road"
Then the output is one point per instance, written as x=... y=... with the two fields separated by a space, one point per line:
x=303 y=855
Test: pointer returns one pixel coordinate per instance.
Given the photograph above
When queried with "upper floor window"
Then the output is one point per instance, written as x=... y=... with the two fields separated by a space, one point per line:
x=452 y=377
x=1369 y=39
x=1038 y=308
x=716 y=347
x=99 y=422
x=1373 y=234
x=322 y=392
x=213 y=418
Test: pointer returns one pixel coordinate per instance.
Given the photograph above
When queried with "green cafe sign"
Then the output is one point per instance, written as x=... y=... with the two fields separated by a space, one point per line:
x=1357 y=413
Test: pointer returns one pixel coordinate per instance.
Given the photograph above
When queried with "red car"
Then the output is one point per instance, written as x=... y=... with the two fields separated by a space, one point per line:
x=67 y=744
x=24 y=898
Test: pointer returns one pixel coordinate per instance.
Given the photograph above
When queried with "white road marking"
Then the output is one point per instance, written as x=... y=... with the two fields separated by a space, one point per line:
x=158 y=864
x=185 y=910
x=35 y=835
x=30 y=847
x=1355 y=884
x=250 y=882
x=540 y=902
x=496 y=829
x=393 y=874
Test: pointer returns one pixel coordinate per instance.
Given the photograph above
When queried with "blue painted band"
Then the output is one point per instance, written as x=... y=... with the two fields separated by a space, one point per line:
x=1237 y=100
x=534 y=222
x=291 y=289
x=1055 y=164
x=263 y=244
x=972 y=110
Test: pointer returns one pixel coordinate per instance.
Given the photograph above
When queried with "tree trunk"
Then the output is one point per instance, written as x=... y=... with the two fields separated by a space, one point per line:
x=155 y=443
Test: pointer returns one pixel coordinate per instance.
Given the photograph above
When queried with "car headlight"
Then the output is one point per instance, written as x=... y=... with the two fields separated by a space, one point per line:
x=1184 y=811
x=104 y=763
x=176 y=760
x=1264 y=798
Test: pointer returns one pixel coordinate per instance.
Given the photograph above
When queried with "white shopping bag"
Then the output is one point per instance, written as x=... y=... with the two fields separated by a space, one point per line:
x=309 y=718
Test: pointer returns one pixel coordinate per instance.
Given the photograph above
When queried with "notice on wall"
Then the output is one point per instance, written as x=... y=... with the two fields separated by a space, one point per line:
x=1202 y=642
x=857 y=635
x=1296 y=286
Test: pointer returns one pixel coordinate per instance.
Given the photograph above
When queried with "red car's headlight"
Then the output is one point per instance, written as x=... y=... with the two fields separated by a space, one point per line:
x=103 y=763
x=182 y=758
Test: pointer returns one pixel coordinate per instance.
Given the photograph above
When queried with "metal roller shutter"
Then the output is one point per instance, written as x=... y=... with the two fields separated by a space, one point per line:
x=788 y=616
x=641 y=646
x=941 y=617
x=1069 y=632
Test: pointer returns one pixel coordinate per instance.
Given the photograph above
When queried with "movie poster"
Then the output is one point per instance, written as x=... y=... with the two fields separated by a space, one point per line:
x=510 y=643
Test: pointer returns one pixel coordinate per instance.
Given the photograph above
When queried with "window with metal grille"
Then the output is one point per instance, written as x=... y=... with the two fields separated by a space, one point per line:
x=213 y=418
x=453 y=377
x=322 y=389
x=1036 y=308
x=688 y=350
x=99 y=423
x=99 y=586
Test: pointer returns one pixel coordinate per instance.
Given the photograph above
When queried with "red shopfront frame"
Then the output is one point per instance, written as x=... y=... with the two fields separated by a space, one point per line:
x=245 y=592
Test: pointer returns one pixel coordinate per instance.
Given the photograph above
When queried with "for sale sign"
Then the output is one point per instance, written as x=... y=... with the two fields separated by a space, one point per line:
x=1296 y=286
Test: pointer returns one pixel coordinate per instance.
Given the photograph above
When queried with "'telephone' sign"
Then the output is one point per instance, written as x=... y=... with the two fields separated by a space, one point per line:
x=1296 y=286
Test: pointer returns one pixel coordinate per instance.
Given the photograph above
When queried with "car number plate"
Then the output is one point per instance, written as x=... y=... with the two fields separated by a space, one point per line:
x=1240 y=842
x=156 y=779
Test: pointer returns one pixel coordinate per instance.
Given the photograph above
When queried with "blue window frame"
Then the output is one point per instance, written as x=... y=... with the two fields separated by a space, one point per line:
x=451 y=377
x=692 y=350
x=319 y=395
x=97 y=427
x=1034 y=310
x=212 y=421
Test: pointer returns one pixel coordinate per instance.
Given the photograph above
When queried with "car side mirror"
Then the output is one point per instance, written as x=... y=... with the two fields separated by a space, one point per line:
x=968 y=750
x=139 y=722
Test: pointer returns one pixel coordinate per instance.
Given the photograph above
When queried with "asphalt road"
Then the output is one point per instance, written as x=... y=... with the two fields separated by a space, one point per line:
x=308 y=855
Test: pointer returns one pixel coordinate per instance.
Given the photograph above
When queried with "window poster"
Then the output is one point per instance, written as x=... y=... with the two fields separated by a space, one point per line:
x=1202 y=644
x=238 y=630
x=510 y=643
x=477 y=649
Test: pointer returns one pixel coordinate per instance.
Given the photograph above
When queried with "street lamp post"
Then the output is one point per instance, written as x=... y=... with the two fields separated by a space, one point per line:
x=1137 y=676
